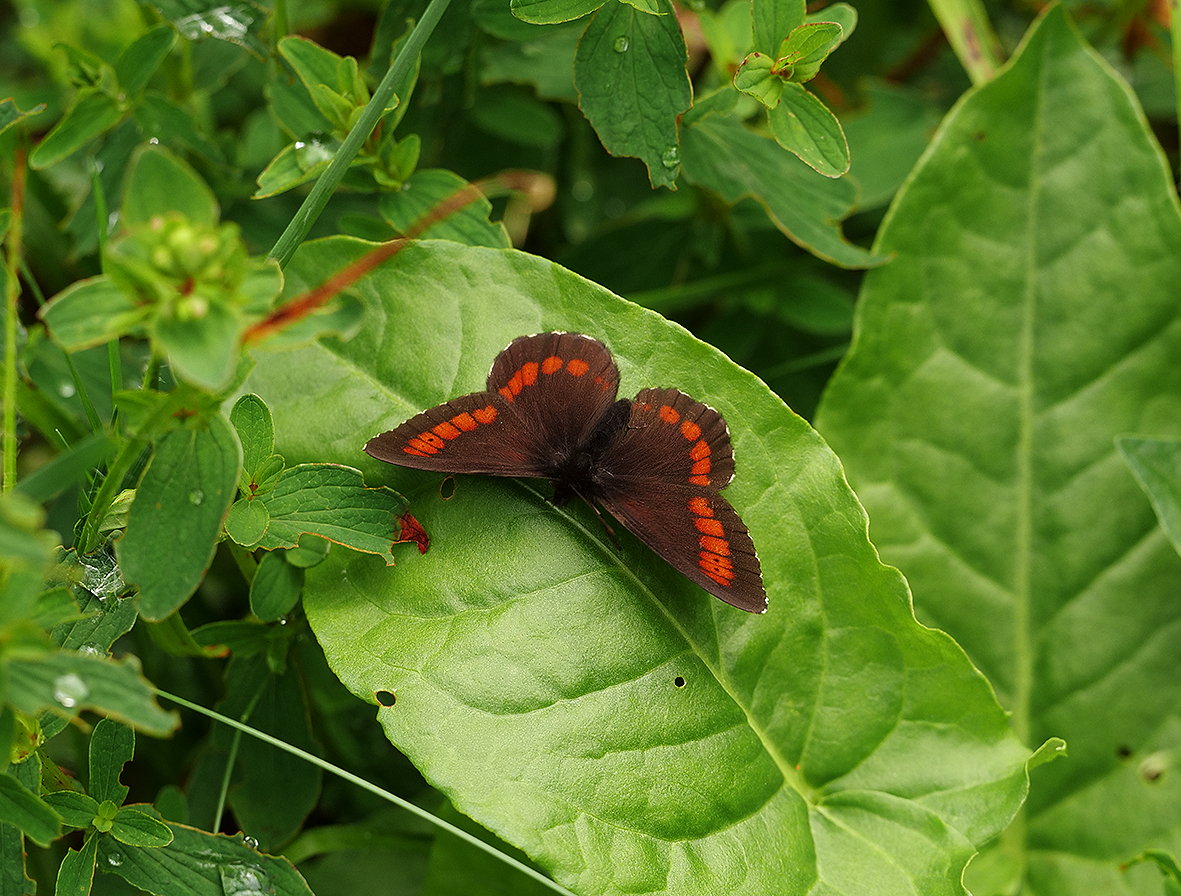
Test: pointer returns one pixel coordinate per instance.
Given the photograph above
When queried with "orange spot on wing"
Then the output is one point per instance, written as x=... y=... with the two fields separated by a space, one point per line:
x=464 y=421
x=691 y=430
x=446 y=430
x=552 y=364
x=577 y=366
x=431 y=439
x=700 y=506
x=718 y=545
x=701 y=468
x=699 y=480
x=529 y=373
x=698 y=451
x=709 y=526
x=408 y=450
x=422 y=446
x=669 y=415
x=485 y=415
x=717 y=568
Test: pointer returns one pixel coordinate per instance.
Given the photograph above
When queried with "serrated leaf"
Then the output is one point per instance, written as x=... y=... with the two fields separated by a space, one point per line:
x=805 y=127
x=176 y=517
x=27 y=812
x=551 y=12
x=577 y=686
x=721 y=155
x=332 y=502
x=91 y=312
x=140 y=58
x=275 y=588
x=1156 y=464
x=195 y=863
x=160 y=182
x=75 y=876
x=133 y=827
x=421 y=195
x=977 y=412
x=630 y=72
x=66 y=683
x=92 y=115
x=111 y=746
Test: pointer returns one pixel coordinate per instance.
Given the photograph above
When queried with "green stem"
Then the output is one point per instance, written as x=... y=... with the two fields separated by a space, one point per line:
x=374 y=789
x=235 y=742
x=11 y=322
x=322 y=190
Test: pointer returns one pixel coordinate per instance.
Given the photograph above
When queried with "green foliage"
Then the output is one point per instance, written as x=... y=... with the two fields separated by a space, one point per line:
x=191 y=370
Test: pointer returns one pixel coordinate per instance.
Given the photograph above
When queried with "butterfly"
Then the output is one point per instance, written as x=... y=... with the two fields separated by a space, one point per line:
x=656 y=462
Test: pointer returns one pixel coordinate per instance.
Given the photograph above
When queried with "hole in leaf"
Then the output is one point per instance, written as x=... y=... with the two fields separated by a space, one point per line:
x=679 y=681
x=386 y=698
x=447 y=488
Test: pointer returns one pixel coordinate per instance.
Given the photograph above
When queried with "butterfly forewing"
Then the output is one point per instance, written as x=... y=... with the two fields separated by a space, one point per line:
x=661 y=480
x=561 y=383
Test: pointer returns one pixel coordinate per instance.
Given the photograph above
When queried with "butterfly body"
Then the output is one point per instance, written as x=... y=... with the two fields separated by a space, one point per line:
x=655 y=462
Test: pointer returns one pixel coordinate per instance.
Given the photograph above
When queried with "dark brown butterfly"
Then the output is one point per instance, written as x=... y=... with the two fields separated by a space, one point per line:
x=656 y=462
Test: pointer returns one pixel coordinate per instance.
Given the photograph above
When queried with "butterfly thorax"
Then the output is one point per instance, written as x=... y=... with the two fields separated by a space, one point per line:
x=575 y=473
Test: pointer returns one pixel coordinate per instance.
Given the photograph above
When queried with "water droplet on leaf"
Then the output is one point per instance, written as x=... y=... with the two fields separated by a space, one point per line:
x=621 y=44
x=671 y=157
x=69 y=690
x=196 y=496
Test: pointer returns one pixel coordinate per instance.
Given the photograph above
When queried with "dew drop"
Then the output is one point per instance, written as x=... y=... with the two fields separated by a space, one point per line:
x=114 y=859
x=196 y=496
x=69 y=690
x=250 y=842
x=66 y=390
x=621 y=44
x=671 y=157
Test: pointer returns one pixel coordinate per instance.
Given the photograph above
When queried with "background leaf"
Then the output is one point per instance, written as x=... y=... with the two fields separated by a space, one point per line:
x=1030 y=316
x=174 y=522
x=552 y=631
x=632 y=85
x=1156 y=464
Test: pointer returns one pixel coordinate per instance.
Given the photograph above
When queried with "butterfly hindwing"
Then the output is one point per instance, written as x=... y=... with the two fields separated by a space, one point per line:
x=661 y=480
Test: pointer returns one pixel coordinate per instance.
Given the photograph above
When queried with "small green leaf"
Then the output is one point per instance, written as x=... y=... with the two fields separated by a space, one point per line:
x=91 y=312
x=807 y=47
x=286 y=172
x=140 y=59
x=75 y=876
x=275 y=587
x=247 y=521
x=630 y=71
x=262 y=283
x=252 y=419
x=551 y=12
x=160 y=182
x=93 y=114
x=136 y=828
x=177 y=514
x=111 y=746
x=33 y=815
x=1156 y=464
x=105 y=815
x=77 y=810
x=310 y=551
x=756 y=77
x=315 y=66
x=773 y=20
x=804 y=126
x=333 y=502
x=422 y=193
x=203 y=350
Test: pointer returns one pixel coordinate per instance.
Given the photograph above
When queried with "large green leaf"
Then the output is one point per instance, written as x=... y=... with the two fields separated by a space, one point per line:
x=1030 y=315
x=589 y=704
x=630 y=71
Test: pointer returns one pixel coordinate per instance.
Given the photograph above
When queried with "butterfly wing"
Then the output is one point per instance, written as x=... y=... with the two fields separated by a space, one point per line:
x=662 y=481
x=545 y=393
